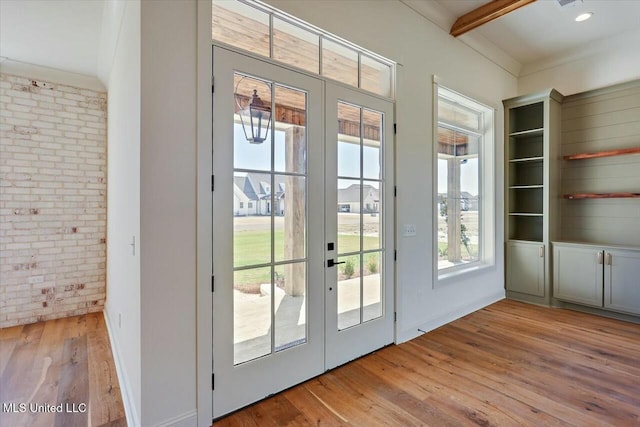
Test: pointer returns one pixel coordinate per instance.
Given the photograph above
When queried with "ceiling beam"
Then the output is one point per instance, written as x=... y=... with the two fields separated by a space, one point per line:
x=485 y=13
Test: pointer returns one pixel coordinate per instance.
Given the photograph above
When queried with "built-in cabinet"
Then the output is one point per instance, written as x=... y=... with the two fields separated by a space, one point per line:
x=525 y=268
x=597 y=276
x=572 y=168
x=532 y=126
x=578 y=274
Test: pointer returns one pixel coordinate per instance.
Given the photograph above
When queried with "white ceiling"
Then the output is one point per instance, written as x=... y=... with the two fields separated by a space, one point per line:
x=542 y=29
x=62 y=34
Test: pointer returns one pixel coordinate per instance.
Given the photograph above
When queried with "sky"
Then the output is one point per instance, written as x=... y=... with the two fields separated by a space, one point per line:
x=468 y=176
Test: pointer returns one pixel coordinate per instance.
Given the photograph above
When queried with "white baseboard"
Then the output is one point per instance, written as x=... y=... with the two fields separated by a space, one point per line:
x=188 y=419
x=125 y=388
x=432 y=324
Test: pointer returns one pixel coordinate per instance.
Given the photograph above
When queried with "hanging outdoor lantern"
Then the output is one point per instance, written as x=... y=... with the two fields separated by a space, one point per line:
x=255 y=119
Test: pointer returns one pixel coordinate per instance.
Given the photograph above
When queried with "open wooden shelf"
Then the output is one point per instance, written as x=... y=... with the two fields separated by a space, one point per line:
x=607 y=153
x=601 y=196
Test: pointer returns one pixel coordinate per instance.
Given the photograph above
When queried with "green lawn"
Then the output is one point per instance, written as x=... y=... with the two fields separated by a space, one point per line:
x=254 y=248
x=442 y=246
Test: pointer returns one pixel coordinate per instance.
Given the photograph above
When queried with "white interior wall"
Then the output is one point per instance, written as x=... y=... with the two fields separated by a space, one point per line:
x=168 y=212
x=166 y=373
x=600 y=64
x=123 y=306
x=392 y=29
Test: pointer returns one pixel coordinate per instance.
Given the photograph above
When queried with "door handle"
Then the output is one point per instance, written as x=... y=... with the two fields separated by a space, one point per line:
x=331 y=263
x=541 y=251
x=600 y=257
x=608 y=258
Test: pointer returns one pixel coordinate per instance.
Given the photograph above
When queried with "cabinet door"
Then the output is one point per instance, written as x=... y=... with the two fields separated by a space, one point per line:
x=525 y=268
x=622 y=281
x=578 y=274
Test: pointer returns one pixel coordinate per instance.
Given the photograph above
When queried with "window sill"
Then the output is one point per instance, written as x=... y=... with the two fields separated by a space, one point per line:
x=451 y=275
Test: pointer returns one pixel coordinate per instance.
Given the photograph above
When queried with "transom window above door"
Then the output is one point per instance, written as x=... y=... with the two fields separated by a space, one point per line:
x=269 y=33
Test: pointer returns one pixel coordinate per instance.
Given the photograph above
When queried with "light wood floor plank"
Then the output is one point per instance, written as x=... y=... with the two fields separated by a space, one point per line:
x=48 y=361
x=103 y=380
x=510 y=364
x=60 y=361
x=8 y=339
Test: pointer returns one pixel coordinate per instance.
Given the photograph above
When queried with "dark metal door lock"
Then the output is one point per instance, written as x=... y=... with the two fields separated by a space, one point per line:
x=331 y=263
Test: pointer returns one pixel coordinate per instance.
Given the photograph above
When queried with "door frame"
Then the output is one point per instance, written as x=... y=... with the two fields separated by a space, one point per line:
x=204 y=208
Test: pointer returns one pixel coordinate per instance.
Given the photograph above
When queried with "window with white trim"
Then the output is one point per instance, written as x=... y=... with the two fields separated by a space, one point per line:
x=464 y=153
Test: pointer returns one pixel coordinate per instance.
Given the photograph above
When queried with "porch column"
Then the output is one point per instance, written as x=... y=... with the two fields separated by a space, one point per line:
x=294 y=211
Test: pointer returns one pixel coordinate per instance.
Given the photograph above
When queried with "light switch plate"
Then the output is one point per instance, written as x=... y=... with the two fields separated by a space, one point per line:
x=409 y=230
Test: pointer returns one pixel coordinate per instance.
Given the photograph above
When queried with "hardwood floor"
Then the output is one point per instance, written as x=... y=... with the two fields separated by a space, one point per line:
x=510 y=364
x=64 y=361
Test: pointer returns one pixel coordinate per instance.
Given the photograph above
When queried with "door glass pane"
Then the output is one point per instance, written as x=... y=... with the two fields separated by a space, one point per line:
x=290 y=216
x=371 y=152
x=290 y=305
x=290 y=136
x=348 y=140
x=371 y=215
x=349 y=291
x=348 y=216
x=296 y=46
x=270 y=214
x=251 y=219
x=240 y=25
x=247 y=155
x=375 y=76
x=251 y=314
x=359 y=217
x=372 y=286
x=339 y=62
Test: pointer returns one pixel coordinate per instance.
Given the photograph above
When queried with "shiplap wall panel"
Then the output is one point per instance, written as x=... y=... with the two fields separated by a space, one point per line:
x=612 y=143
x=605 y=106
x=604 y=119
x=601 y=134
x=598 y=96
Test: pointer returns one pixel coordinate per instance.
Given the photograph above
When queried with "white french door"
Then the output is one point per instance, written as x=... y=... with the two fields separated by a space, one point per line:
x=268 y=216
x=359 y=181
x=281 y=313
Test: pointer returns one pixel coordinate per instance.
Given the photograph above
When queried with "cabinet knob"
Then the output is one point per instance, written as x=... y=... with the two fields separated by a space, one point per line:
x=608 y=258
x=600 y=257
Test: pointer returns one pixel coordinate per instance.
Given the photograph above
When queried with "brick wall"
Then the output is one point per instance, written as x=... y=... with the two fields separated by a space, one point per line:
x=52 y=200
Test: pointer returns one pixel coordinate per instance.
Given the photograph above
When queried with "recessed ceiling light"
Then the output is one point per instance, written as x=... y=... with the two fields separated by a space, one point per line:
x=584 y=16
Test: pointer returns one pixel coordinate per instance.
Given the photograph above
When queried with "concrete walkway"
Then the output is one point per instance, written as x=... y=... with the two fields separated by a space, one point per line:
x=252 y=316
